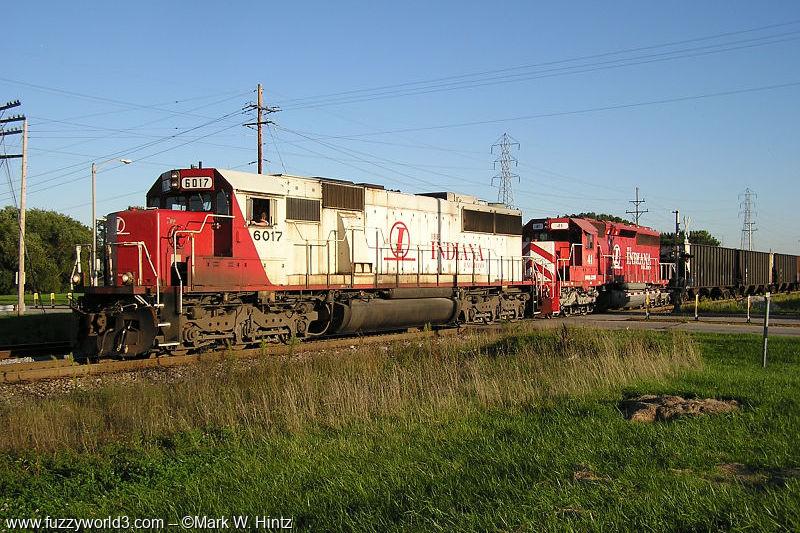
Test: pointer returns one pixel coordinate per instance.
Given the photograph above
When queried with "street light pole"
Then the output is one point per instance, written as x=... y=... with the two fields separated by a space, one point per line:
x=93 y=266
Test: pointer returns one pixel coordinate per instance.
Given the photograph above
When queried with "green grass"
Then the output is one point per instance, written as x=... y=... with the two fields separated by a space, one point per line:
x=472 y=466
x=61 y=298
x=781 y=305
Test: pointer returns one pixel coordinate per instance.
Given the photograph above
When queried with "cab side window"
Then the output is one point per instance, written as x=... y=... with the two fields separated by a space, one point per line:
x=261 y=211
x=223 y=203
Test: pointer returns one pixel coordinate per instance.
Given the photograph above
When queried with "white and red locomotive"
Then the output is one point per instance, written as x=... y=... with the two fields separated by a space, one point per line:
x=582 y=264
x=224 y=257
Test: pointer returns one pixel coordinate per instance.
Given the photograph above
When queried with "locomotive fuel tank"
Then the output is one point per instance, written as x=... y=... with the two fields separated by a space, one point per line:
x=632 y=296
x=377 y=314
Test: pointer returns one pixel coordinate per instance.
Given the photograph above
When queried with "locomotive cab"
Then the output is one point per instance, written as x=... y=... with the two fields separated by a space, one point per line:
x=201 y=191
x=565 y=255
x=575 y=242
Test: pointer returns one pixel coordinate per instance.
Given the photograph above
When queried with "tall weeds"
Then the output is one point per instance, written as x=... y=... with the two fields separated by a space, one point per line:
x=331 y=390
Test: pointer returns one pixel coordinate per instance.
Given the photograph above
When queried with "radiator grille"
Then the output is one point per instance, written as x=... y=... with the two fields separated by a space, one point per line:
x=338 y=196
x=488 y=222
x=480 y=221
x=302 y=209
x=508 y=224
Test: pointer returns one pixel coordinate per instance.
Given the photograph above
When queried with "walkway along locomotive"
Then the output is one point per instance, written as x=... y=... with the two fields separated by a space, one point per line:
x=225 y=257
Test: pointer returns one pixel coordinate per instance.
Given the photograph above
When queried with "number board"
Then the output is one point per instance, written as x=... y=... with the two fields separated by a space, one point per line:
x=197 y=182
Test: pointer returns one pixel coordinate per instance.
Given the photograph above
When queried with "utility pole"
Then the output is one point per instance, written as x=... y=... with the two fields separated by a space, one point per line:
x=261 y=110
x=22 y=191
x=747 y=207
x=636 y=203
x=677 y=247
x=505 y=143
x=93 y=257
x=677 y=224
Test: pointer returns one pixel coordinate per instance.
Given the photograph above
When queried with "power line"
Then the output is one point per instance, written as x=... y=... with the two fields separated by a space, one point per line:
x=275 y=144
x=57 y=181
x=328 y=96
x=613 y=107
x=101 y=98
x=550 y=73
x=230 y=95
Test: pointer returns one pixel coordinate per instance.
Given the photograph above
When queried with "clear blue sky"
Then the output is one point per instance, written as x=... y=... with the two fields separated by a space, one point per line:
x=117 y=79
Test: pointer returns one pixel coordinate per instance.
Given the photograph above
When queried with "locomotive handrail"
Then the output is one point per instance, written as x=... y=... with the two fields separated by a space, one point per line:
x=139 y=245
x=507 y=264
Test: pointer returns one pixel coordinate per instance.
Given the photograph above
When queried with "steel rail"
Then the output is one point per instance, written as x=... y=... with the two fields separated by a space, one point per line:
x=66 y=368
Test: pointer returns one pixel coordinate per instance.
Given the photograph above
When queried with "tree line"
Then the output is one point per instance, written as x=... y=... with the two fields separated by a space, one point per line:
x=50 y=239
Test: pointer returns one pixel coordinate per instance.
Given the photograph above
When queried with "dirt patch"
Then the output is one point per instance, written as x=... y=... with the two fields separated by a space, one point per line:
x=652 y=408
x=586 y=474
x=753 y=476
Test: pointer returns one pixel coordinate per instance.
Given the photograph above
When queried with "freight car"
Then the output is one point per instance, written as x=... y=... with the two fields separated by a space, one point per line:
x=785 y=272
x=718 y=272
x=223 y=257
x=584 y=264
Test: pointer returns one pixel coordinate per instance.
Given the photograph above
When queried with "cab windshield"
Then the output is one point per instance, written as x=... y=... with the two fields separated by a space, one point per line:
x=195 y=201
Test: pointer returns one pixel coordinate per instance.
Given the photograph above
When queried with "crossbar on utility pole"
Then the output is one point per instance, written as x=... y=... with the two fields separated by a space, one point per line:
x=9 y=105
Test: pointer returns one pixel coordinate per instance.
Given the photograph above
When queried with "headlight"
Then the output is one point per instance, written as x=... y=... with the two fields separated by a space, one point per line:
x=127 y=278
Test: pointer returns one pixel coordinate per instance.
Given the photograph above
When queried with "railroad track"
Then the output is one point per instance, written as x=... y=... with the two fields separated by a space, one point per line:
x=66 y=368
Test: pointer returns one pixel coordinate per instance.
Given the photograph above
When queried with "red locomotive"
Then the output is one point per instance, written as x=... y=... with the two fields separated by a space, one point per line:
x=223 y=257
x=583 y=264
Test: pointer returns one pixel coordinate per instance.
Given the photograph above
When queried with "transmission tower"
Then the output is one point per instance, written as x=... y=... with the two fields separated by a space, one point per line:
x=636 y=203
x=747 y=210
x=505 y=143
